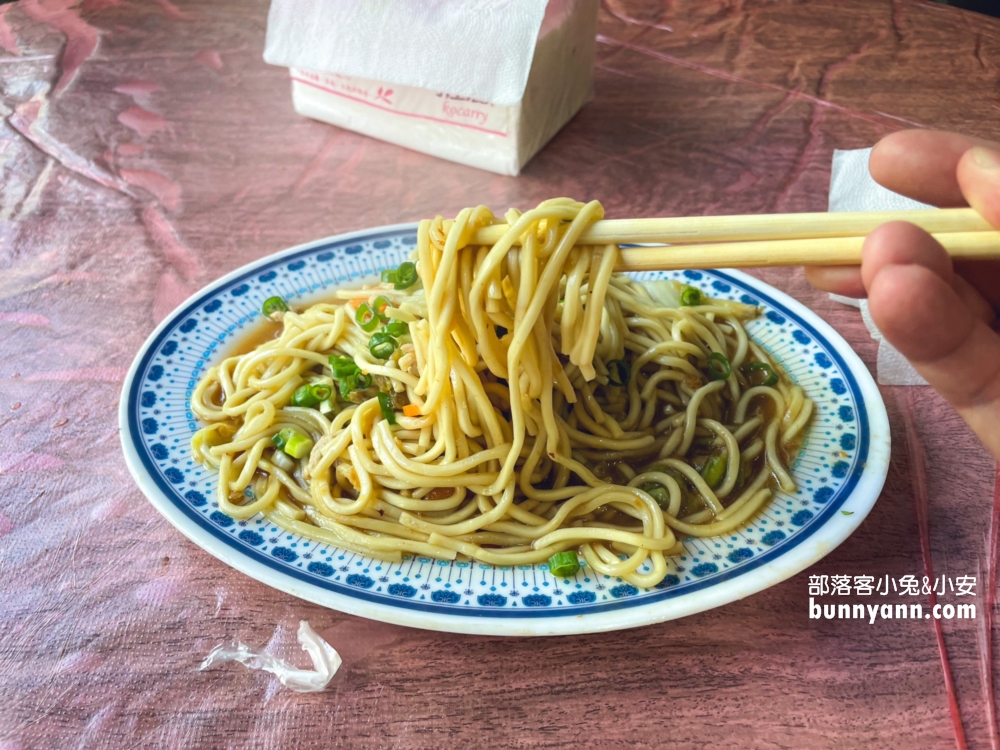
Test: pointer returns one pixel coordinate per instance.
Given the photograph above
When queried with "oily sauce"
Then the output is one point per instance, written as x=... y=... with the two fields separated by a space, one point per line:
x=268 y=330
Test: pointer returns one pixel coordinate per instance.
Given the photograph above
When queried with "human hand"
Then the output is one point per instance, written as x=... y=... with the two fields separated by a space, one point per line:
x=940 y=315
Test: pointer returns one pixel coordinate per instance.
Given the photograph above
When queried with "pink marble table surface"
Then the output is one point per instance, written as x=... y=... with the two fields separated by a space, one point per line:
x=146 y=149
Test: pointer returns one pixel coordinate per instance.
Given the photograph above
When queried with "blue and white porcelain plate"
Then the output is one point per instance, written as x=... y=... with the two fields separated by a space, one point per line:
x=839 y=470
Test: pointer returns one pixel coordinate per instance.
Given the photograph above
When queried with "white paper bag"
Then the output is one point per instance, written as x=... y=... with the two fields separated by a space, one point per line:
x=481 y=82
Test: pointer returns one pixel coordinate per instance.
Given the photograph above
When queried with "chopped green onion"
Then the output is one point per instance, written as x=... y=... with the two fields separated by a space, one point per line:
x=670 y=471
x=298 y=446
x=397 y=328
x=353 y=382
x=690 y=297
x=366 y=317
x=327 y=407
x=406 y=275
x=293 y=442
x=302 y=397
x=564 y=564
x=389 y=276
x=382 y=345
x=380 y=304
x=343 y=366
x=619 y=372
x=347 y=384
x=715 y=470
x=718 y=366
x=273 y=305
x=385 y=404
x=751 y=368
x=311 y=395
x=658 y=492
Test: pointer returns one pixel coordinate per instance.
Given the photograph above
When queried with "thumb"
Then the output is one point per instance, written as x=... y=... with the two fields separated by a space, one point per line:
x=913 y=302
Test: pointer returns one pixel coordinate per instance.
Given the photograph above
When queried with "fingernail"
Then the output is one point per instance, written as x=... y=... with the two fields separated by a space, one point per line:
x=986 y=159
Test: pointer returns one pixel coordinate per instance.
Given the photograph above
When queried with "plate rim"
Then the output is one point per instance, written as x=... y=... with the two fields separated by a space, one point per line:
x=861 y=497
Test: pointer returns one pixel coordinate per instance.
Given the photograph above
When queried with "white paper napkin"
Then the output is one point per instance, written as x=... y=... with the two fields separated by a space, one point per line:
x=853 y=189
x=481 y=49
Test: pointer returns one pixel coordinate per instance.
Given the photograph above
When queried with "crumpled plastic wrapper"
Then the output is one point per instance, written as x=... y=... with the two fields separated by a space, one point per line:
x=325 y=659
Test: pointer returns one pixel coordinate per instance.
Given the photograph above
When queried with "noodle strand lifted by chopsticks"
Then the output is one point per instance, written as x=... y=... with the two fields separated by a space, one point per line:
x=530 y=402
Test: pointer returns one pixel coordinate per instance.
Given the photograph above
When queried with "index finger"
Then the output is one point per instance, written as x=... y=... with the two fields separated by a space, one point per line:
x=922 y=164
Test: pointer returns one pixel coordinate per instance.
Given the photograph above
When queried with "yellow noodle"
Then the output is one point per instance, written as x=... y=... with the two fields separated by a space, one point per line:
x=514 y=440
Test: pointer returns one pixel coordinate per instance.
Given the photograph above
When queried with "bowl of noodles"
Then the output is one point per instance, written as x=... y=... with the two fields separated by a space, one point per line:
x=503 y=439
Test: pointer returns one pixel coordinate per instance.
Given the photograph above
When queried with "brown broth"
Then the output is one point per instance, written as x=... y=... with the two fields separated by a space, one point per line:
x=260 y=333
x=692 y=502
x=268 y=330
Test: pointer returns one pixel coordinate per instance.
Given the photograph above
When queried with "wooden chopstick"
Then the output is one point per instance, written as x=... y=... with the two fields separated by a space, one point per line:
x=701 y=229
x=832 y=251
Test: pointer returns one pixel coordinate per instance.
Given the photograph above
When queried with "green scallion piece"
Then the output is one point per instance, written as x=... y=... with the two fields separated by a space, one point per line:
x=658 y=492
x=715 y=470
x=619 y=372
x=381 y=304
x=366 y=318
x=564 y=564
x=353 y=382
x=682 y=481
x=389 y=276
x=298 y=445
x=293 y=442
x=750 y=369
x=273 y=305
x=406 y=275
x=718 y=366
x=304 y=396
x=343 y=367
x=690 y=297
x=382 y=345
x=397 y=328
x=385 y=404
x=347 y=384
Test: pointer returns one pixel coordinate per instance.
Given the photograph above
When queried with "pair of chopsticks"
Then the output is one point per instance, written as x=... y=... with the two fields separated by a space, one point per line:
x=773 y=239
